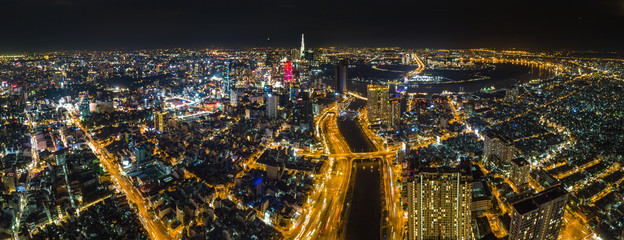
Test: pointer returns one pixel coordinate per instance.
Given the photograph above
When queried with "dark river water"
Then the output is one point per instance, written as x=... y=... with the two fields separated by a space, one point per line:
x=501 y=76
x=356 y=139
x=365 y=204
x=365 y=214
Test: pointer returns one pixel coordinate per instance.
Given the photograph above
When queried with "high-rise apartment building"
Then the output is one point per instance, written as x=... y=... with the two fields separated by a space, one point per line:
x=499 y=150
x=439 y=202
x=394 y=122
x=378 y=104
x=539 y=217
x=520 y=172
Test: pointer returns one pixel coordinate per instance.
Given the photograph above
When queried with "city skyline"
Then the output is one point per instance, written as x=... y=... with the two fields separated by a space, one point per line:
x=312 y=120
x=334 y=143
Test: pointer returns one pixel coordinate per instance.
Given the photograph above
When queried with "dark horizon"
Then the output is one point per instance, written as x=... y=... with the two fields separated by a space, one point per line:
x=58 y=25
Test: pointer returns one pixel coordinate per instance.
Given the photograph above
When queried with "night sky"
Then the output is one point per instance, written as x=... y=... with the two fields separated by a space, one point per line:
x=44 y=25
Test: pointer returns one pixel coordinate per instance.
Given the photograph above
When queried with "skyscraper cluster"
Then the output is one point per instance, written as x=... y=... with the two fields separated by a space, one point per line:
x=381 y=109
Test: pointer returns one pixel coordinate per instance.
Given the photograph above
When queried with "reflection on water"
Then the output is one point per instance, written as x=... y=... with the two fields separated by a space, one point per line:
x=364 y=220
x=502 y=76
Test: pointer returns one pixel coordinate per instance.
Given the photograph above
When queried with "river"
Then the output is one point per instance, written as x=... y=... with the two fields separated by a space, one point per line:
x=364 y=221
x=356 y=139
x=502 y=76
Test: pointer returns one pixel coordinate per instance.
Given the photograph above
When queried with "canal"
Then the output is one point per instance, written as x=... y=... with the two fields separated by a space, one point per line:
x=364 y=220
x=354 y=136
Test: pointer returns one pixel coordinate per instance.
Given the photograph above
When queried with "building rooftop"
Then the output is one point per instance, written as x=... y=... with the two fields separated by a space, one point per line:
x=550 y=194
x=525 y=206
x=463 y=167
x=532 y=203
x=520 y=162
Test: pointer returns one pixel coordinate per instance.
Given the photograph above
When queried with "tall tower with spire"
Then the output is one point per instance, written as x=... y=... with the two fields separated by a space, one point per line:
x=301 y=52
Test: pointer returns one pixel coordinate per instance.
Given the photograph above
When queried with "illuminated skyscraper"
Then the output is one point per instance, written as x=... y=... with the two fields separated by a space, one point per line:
x=302 y=51
x=271 y=106
x=83 y=107
x=394 y=114
x=227 y=89
x=340 y=71
x=233 y=98
x=378 y=104
x=439 y=203
x=540 y=216
x=288 y=72
x=159 y=121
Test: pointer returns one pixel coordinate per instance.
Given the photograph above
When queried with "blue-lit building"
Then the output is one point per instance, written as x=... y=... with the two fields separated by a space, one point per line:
x=340 y=71
x=83 y=106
